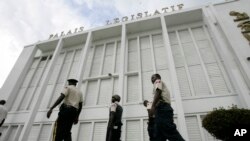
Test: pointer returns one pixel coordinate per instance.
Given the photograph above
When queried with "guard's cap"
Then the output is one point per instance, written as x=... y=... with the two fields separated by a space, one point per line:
x=73 y=80
x=116 y=97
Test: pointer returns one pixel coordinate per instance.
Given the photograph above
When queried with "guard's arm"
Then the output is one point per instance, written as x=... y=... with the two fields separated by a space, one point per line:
x=2 y=122
x=112 y=118
x=58 y=101
x=80 y=109
x=156 y=100
x=78 y=113
x=148 y=106
x=112 y=115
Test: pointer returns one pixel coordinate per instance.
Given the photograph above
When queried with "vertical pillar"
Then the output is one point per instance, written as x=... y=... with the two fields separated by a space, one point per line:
x=122 y=62
x=15 y=78
x=30 y=119
x=238 y=52
x=139 y=68
x=174 y=82
x=84 y=58
x=152 y=53
x=228 y=56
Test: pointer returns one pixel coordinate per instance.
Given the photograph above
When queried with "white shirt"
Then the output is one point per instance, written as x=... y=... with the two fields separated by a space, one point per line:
x=3 y=112
x=73 y=96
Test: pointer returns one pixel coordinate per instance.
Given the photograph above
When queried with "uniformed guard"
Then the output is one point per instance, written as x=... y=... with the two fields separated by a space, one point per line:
x=163 y=112
x=3 y=114
x=115 y=120
x=69 y=111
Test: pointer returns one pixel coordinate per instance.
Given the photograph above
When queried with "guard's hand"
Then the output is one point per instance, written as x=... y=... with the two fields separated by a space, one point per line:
x=149 y=105
x=76 y=120
x=152 y=112
x=49 y=113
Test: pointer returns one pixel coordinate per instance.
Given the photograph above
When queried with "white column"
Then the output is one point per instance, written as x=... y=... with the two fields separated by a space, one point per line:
x=15 y=78
x=152 y=53
x=240 y=57
x=185 y=64
x=139 y=69
x=200 y=127
x=83 y=59
x=114 y=57
x=30 y=119
x=50 y=94
x=122 y=62
x=174 y=82
x=230 y=63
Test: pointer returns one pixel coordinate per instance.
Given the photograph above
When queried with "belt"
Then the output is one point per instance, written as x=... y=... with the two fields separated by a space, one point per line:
x=68 y=106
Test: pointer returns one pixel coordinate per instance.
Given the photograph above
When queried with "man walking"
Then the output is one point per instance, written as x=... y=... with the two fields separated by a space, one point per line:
x=164 y=122
x=148 y=105
x=115 y=120
x=3 y=114
x=69 y=111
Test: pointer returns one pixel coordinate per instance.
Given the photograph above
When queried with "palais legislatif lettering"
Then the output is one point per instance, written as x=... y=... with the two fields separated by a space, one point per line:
x=145 y=14
x=76 y=30
x=124 y=19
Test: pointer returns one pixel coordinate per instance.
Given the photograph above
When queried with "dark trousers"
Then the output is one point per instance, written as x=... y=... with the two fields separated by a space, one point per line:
x=64 y=122
x=113 y=134
x=151 y=129
x=164 y=124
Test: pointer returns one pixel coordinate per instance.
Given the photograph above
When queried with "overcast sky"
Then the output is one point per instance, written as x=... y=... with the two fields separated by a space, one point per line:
x=24 y=22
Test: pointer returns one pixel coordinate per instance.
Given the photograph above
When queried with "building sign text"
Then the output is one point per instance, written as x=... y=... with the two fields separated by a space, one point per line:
x=145 y=14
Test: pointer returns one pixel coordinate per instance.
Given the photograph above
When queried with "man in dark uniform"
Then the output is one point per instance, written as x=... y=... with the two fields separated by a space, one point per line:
x=161 y=108
x=151 y=119
x=69 y=111
x=3 y=114
x=115 y=120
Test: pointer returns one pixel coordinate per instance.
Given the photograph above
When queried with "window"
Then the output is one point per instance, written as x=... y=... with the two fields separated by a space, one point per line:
x=66 y=67
x=193 y=128
x=132 y=55
x=97 y=61
x=146 y=55
x=11 y=132
x=102 y=60
x=100 y=129
x=105 y=92
x=31 y=84
x=40 y=132
x=85 y=131
x=132 y=88
x=133 y=130
x=199 y=70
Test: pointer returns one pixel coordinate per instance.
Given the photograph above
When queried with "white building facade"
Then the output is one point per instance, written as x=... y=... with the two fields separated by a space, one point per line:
x=200 y=53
